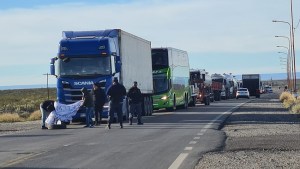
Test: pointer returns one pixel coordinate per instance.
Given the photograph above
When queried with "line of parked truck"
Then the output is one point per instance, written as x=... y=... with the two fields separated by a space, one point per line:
x=86 y=57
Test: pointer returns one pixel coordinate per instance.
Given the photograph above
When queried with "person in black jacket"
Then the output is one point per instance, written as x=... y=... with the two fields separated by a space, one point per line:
x=88 y=104
x=116 y=92
x=135 y=101
x=46 y=107
x=99 y=100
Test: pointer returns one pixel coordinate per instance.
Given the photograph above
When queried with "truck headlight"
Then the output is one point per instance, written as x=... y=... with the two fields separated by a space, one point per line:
x=164 y=98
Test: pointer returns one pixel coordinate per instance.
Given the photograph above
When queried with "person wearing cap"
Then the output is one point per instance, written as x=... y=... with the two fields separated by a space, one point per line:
x=46 y=107
x=88 y=104
x=135 y=101
x=116 y=92
x=99 y=101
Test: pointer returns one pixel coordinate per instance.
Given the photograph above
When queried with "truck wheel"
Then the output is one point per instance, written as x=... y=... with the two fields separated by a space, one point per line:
x=218 y=98
x=186 y=102
x=173 y=108
x=150 y=106
x=194 y=101
x=205 y=101
x=146 y=106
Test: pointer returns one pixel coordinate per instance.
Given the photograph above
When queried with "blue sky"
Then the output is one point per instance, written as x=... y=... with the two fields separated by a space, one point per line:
x=229 y=36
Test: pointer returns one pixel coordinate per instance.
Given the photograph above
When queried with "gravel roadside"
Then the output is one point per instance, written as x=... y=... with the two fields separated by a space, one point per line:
x=17 y=127
x=260 y=134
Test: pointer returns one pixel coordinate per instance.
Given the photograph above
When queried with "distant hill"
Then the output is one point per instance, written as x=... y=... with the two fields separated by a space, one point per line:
x=273 y=76
x=264 y=77
x=27 y=86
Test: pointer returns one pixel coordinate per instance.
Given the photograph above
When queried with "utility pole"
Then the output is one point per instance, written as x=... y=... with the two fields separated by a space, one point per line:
x=293 y=49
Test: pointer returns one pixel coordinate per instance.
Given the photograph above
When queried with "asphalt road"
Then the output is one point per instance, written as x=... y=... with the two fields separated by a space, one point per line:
x=166 y=140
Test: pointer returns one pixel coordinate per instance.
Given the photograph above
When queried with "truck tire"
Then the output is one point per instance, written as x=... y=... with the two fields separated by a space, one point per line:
x=205 y=101
x=173 y=108
x=150 y=106
x=145 y=106
x=192 y=103
x=186 y=102
x=218 y=96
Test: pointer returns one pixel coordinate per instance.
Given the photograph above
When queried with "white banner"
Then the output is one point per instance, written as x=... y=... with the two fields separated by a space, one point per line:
x=63 y=112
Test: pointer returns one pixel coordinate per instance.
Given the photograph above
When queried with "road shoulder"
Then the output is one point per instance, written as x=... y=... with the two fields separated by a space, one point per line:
x=260 y=134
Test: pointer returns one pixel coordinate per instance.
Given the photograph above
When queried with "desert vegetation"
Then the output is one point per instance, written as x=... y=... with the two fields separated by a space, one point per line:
x=23 y=104
x=290 y=102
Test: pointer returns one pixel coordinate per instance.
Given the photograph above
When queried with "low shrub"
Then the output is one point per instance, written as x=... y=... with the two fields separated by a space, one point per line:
x=9 y=118
x=296 y=109
x=36 y=115
x=285 y=96
x=288 y=103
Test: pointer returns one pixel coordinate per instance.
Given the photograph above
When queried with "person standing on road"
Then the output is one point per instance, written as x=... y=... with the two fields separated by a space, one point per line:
x=116 y=92
x=135 y=100
x=88 y=104
x=46 y=107
x=99 y=100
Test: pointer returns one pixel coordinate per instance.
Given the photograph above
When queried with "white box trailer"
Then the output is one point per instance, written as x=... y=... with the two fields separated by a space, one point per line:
x=136 y=64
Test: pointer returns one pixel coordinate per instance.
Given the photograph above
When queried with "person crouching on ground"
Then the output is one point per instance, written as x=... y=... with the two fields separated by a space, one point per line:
x=46 y=107
x=88 y=104
x=135 y=101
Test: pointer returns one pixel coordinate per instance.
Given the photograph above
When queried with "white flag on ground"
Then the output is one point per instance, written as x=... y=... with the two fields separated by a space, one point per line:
x=63 y=112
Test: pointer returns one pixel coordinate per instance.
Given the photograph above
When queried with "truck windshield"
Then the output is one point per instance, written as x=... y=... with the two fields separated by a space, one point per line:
x=217 y=80
x=86 y=66
x=160 y=83
x=159 y=59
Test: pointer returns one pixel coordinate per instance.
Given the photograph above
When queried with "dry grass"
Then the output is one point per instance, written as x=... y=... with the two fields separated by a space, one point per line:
x=288 y=103
x=296 y=109
x=10 y=117
x=23 y=104
x=36 y=115
x=285 y=96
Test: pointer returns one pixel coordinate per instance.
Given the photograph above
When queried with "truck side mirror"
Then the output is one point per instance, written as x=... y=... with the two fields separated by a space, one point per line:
x=114 y=53
x=113 y=64
x=52 y=66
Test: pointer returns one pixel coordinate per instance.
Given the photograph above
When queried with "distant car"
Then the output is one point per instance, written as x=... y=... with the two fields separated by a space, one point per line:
x=242 y=93
x=269 y=89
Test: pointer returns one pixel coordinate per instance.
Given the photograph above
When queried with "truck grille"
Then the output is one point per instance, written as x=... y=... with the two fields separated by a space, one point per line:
x=72 y=95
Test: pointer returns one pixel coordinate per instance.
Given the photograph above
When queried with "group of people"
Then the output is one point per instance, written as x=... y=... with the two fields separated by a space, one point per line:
x=93 y=102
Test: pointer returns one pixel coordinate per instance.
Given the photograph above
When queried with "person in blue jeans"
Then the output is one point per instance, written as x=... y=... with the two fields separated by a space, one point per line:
x=88 y=104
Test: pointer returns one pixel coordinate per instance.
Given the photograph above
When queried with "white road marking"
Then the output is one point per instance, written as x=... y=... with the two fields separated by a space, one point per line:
x=196 y=138
x=188 y=148
x=178 y=161
x=193 y=142
x=209 y=125
x=182 y=156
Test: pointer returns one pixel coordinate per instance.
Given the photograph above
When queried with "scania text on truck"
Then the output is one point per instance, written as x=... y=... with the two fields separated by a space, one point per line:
x=252 y=83
x=170 y=78
x=86 y=57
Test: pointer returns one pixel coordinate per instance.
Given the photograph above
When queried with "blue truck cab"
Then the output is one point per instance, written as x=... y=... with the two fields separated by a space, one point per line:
x=85 y=57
